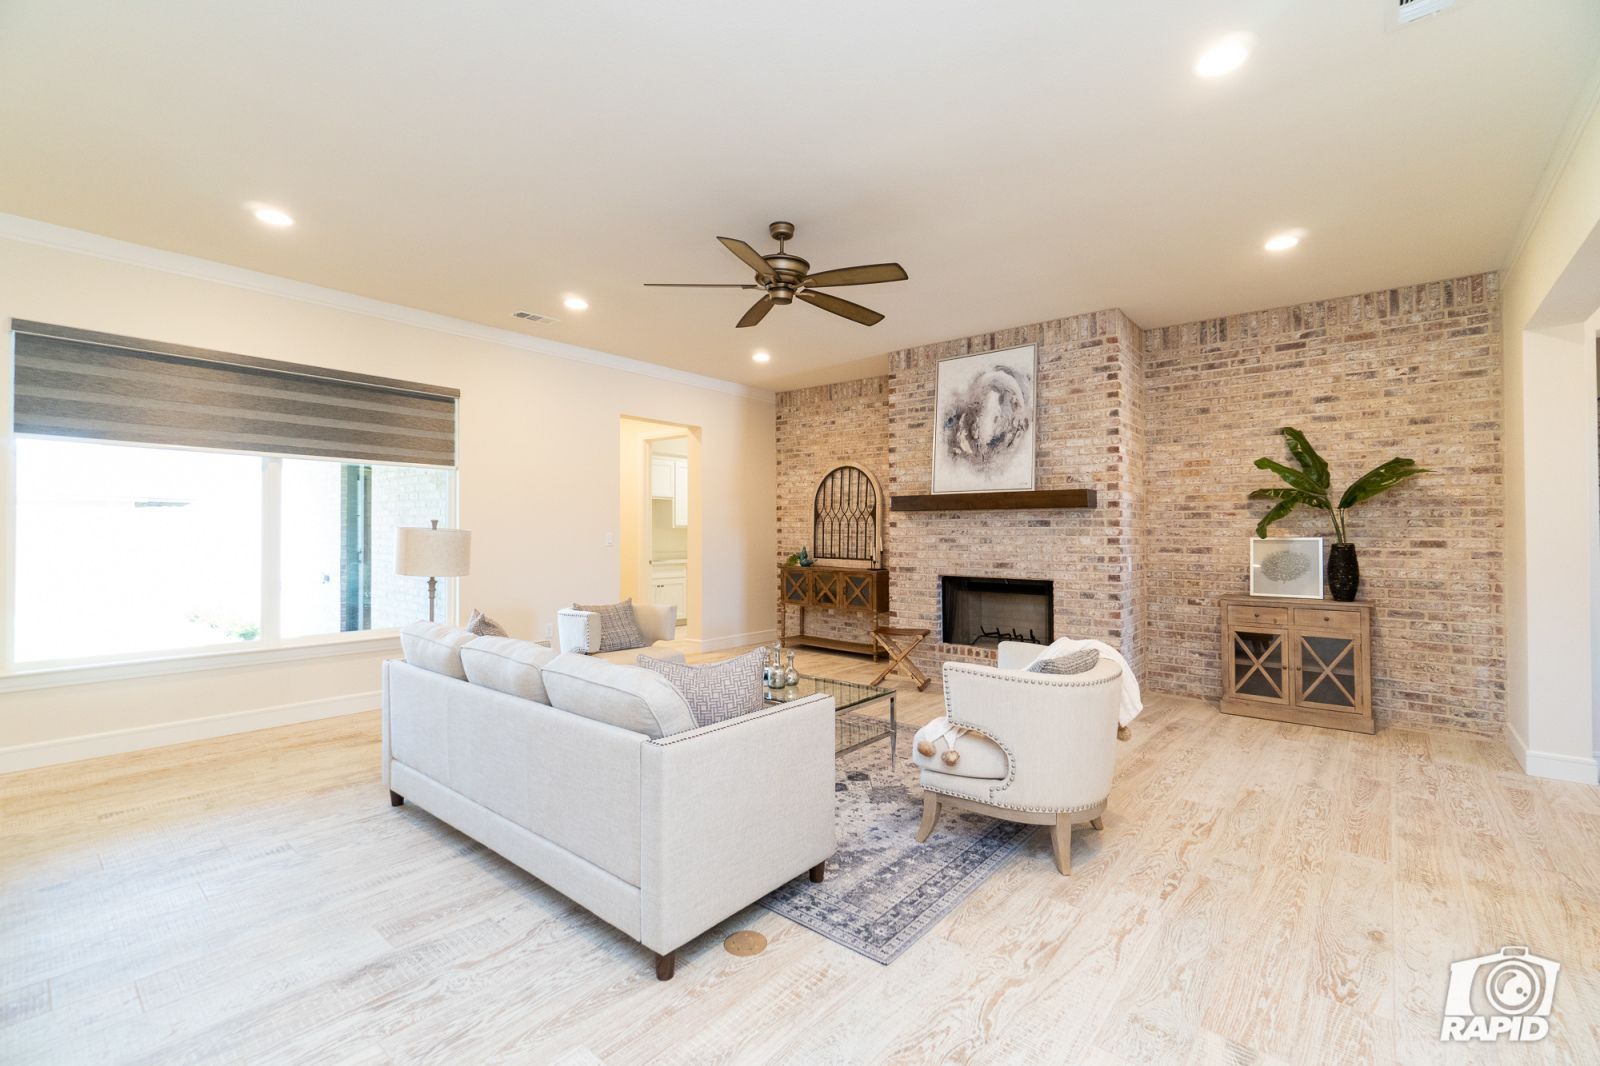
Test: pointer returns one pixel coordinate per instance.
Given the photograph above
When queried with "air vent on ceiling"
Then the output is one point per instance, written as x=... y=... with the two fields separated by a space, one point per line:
x=1408 y=11
x=530 y=316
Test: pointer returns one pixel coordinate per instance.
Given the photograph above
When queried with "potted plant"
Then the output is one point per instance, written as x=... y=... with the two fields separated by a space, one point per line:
x=1308 y=487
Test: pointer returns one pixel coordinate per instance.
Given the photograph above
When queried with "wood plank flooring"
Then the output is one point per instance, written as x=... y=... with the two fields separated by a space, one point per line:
x=1262 y=893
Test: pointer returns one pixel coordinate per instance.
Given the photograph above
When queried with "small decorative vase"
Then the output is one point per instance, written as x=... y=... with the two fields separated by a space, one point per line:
x=1344 y=573
x=791 y=676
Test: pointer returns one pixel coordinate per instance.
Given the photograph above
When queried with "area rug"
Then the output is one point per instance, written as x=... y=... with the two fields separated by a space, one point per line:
x=883 y=890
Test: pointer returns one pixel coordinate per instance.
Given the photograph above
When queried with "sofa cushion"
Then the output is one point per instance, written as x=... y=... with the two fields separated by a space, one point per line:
x=631 y=656
x=514 y=667
x=1073 y=662
x=715 y=692
x=435 y=647
x=623 y=696
x=980 y=757
x=618 y=628
x=484 y=626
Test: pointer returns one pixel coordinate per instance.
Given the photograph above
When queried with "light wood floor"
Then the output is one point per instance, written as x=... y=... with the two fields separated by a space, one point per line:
x=1261 y=893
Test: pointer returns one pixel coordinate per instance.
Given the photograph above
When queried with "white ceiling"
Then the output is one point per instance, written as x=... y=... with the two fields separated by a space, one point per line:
x=1023 y=161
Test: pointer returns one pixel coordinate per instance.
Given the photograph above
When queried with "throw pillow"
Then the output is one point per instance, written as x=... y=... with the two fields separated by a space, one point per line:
x=715 y=692
x=619 y=630
x=1073 y=662
x=484 y=626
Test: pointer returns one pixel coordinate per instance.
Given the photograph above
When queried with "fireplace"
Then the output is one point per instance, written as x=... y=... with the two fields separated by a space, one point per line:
x=983 y=611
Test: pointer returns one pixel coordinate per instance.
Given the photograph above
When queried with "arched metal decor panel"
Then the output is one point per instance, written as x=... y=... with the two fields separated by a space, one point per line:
x=846 y=516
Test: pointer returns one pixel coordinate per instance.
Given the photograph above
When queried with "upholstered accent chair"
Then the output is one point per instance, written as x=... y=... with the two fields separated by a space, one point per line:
x=1039 y=747
x=579 y=631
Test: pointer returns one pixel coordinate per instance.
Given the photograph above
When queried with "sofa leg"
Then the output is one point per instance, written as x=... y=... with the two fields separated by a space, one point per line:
x=665 y=964
x=395 y=799
x=1097 y=823
x=818 y=871
x=930 y=815
x=1061 y=843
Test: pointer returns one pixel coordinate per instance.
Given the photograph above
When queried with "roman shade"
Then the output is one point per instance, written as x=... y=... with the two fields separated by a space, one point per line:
x=75 y=383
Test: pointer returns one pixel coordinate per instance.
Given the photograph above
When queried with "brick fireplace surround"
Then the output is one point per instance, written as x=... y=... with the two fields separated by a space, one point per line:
x=1164 y=424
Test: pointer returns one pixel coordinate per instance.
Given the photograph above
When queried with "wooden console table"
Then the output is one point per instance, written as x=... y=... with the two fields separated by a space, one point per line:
x=1293 y=660
x=836 y=588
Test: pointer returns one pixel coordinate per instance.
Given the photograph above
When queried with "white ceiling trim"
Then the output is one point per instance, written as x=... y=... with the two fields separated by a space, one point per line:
x=1571 y=133
x=32 y=231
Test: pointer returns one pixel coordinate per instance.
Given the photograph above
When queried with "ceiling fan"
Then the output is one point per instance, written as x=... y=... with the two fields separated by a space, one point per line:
x=785 y=277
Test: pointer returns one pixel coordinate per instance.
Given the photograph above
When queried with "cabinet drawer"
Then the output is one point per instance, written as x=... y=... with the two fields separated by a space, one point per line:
x=1258 y=616
x=1333 y=621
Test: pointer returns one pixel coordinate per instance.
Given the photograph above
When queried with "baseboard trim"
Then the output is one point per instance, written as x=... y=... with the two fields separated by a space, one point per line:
x=1584 y=771
x=736 y=640
x=121 y=741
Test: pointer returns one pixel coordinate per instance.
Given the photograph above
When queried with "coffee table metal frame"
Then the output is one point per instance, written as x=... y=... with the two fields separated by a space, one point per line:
x=847 y=696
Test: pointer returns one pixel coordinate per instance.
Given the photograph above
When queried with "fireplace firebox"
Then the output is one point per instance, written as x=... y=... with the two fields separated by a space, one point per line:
x=983 y=611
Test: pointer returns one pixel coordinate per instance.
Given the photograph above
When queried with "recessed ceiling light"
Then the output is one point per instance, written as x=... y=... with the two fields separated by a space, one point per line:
x=575 y=303
x=1224 y=57
x=762 y=357
x=1282 y=242
x=272 y=216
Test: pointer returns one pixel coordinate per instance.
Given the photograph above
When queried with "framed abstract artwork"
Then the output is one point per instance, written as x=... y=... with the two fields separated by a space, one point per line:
x=985 y=425
x=1286 y=566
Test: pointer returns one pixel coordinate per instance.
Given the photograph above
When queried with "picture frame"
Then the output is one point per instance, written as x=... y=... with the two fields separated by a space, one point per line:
x=985 y=425
x=1287 y=567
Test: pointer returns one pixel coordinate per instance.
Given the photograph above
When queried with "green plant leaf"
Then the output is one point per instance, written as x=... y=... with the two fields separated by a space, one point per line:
x=1296 y=479
x=1303 y=498
x=1380 y=478
x=1280 y=511
x=1300 y=449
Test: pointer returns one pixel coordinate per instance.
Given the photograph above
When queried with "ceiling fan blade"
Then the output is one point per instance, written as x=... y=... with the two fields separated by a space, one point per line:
x=843 y=308
x=694 y=285
x=757 y=312
x=861 y=275
x=747 y=255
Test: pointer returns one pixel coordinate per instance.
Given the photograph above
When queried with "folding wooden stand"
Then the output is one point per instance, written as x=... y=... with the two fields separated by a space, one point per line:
x=900 y=657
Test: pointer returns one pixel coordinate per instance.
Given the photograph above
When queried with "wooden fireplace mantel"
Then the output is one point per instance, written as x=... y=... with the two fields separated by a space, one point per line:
x=1039 y=500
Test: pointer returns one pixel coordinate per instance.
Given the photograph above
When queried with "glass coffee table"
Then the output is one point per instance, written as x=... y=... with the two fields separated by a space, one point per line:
x=850 y=731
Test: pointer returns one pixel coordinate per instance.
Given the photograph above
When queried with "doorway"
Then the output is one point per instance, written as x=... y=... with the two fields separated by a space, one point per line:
x=659 y=557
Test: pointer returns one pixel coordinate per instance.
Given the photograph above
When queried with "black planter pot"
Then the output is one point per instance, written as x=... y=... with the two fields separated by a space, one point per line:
x=1344 y=573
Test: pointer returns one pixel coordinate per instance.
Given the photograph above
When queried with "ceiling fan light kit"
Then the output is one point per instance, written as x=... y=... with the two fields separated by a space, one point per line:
x=785 y=277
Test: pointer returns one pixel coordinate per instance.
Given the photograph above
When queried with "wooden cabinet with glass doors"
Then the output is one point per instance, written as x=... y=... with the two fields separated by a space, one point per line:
x=1302 y=661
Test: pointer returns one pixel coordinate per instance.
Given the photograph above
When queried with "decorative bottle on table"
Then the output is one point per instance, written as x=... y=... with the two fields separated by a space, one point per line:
x=791 y=676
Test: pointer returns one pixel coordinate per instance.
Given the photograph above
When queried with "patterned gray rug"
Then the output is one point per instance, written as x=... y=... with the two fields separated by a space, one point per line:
x=884 y=890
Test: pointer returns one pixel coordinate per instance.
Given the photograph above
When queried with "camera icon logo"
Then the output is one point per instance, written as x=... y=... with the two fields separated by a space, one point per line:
x=1508 y=994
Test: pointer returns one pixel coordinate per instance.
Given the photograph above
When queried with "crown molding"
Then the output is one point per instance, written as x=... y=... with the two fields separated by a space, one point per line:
x=32 y=231
x=1566 y=143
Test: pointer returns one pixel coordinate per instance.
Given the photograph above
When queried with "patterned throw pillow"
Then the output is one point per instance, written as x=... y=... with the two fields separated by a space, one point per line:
x=619 y=630
x=1074 y=662
x=715 y=692
x=484 y=626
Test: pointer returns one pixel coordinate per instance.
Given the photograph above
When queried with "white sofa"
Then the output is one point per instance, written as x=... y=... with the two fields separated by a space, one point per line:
x=579 y=631
x=661 y=836
x=1041 y=747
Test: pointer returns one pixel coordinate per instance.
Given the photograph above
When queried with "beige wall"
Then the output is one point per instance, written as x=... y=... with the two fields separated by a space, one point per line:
x=1552 y=293
x=539 y=460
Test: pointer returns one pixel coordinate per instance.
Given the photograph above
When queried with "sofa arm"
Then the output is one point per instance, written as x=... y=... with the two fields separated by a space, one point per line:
x=731 y=811
x=579 y=631
x=1058 y=730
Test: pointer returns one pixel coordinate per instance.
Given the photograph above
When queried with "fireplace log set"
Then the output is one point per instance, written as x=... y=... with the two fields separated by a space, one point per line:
x=999 y=635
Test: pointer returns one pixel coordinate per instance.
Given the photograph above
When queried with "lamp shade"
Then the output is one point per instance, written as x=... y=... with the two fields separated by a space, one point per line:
x=431 y=552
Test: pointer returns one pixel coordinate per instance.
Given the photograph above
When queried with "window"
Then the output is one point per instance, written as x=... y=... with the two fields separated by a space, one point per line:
x=123 y=550
x=172 y=499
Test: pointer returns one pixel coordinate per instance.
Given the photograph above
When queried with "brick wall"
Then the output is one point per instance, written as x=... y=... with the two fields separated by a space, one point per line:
x=1412 y=371
x=819 y=428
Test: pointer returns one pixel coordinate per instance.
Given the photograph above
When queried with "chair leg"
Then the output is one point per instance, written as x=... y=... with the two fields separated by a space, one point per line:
x=665 y=964
x=1061 y=843
x=930 y=815
x=818 y=871
x=1097 y=823
x=395 y=799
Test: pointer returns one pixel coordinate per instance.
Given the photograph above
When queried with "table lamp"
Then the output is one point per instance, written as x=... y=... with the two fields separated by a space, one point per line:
x=431 y=553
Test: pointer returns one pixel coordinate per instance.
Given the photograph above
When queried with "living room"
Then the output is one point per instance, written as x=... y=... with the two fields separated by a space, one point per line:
x=1148 y=612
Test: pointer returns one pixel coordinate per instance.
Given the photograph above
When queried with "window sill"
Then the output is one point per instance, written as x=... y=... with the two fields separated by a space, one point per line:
x=58 y=676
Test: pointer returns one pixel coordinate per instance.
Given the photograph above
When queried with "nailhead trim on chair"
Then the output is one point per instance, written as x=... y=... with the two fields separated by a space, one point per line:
x=1055 y=681
x=1014 y=807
